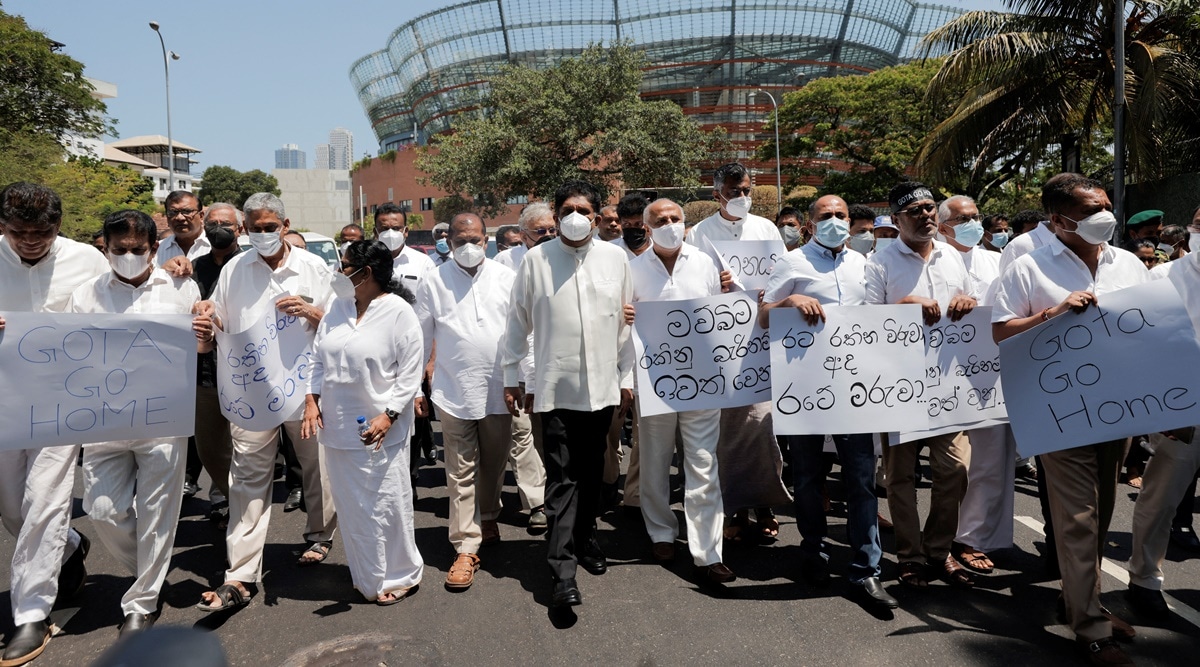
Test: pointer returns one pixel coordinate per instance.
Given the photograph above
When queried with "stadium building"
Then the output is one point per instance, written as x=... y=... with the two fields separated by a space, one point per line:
x=708 y=56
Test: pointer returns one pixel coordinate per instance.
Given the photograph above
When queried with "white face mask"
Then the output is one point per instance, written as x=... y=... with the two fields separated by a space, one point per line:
x=1097 y=228
x=575 y=227
x=469 y=255
x=738 y=207
x=267 y=244
x=669 y=236
x=790 y=234
x=1194 y=243
x=129 y=265
x=883 y=242
x=392 y=238
x=862 y=242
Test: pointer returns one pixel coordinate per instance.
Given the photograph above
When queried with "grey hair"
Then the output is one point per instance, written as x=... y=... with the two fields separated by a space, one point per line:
x=534 y=212
x=264 y=201
x=646 y=211
x=211 y=208
x=944 y=207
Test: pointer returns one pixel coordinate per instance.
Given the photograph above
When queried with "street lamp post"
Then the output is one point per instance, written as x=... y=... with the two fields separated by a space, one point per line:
x=778 y=168
x=167 y=72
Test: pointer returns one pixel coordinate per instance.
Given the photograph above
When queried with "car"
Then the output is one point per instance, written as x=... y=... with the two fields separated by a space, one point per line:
x=318 y=244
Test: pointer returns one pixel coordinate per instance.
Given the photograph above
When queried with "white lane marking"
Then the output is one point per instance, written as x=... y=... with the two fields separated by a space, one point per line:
x=1119 y=573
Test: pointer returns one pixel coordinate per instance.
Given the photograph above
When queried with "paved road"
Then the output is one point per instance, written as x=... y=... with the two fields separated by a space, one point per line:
x=638 y=613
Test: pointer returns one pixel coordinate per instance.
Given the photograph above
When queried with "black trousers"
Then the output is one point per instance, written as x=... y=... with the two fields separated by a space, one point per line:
x=574 y=445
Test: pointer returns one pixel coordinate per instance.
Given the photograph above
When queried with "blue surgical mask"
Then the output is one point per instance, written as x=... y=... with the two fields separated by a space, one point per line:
x=1000 y=239
x=832 y=232
x=969 y=233
x=442 y=247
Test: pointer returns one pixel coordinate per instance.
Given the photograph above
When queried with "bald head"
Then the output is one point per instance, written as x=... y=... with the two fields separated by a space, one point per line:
x=829 y=206
x=466 y=222
x=662 y=212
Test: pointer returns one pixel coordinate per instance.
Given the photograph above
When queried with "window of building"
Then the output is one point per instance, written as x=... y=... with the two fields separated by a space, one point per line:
x=406 y=205
x=519 y=199
x=426 y=203
x=162 y=184
x=341 y=185
x=390 y=195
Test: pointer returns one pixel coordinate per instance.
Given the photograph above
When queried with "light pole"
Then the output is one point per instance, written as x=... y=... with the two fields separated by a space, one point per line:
x=167 y=72
x=778 y=168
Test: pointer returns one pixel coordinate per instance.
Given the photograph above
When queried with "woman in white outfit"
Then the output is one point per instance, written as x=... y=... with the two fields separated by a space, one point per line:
x=367 y=362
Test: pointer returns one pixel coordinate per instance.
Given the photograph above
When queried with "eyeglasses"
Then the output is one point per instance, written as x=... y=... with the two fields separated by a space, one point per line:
x=961 y=220
x=744 y=192
x=185 y=212
x=540 y=232
x=918 y=210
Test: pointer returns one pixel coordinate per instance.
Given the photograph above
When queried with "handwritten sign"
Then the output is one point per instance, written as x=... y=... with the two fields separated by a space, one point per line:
x=962 y=371
x=860 y=371
x=1085 y=377
x=700 y=354
x=76 y=378
x=750 y=262
x=262 y=371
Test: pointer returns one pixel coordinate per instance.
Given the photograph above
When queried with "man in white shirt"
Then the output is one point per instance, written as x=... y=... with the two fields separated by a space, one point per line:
x=571 y=292
x=825 y=271
x=536 y=221
x=250 y=287
x=463 y=308
x=38 y=272
x=132 y=489
x=1069 y=273
x=441 y=243
x=675 y=271
x=734 y=221
x=1023 y=244
x=183 y=211
x=985 y=516
x=609 y=228
x=920 y=270
x=635 y=238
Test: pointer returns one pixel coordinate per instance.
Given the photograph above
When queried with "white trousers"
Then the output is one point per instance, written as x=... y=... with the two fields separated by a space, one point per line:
x=250 y=476
x=132 y=490
x=376 y=515
x=702 y=507
x=985 y=517
x=526 y=459
x=475 y=453
x=36 y=487
x=1167 y=477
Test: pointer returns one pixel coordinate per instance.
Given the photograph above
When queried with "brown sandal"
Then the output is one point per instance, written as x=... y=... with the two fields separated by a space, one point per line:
x=955 y=574
x=914 y=574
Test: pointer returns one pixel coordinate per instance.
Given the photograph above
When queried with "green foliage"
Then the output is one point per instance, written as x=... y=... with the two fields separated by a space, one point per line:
x=764 y=201
x=580 y=119
x=446 y=208
x=25 y=156
x=41 y=91
x=414 y=220
x=226 y=184
x=91 y=189
x=695 y=211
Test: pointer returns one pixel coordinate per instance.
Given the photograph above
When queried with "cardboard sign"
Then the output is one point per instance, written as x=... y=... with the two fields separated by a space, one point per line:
x=749 y=262
x=262 y=372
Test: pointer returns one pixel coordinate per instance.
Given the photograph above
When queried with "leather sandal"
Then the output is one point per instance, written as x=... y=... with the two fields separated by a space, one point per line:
x=462 y=572
x=955 y=574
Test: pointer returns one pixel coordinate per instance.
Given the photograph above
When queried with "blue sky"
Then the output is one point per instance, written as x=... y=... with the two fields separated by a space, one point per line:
x=253 y=74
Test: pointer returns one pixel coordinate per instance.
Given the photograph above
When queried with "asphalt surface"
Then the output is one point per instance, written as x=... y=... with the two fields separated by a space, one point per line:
x=638 y=613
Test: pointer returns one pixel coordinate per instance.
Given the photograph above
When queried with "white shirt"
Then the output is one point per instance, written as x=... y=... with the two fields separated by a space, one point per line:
x=1185 y=273
x=159 y=294
x=1025 y=244
x=631 y=255
x=466 y=315
x=169 y=248
x=716 y=228
x=410 y=267
x=983 y=265
x=247 y=288
x=897 y=272
x=363 y=368
x=813 y=270
x=46 y=287
x=694 y=276
x=1044 y=277
x=572 y=299
x=511 y=257
x=1163 y=270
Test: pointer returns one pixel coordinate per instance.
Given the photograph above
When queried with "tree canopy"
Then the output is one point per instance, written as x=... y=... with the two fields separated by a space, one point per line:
x=226 y=184
x=580 y=119
x=91 y=189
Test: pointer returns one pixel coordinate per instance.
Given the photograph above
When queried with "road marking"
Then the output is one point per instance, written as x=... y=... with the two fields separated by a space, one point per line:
x=1119 y=573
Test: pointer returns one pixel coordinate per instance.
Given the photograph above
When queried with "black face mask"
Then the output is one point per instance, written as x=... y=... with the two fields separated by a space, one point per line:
x=219 y=236
x=635 y=237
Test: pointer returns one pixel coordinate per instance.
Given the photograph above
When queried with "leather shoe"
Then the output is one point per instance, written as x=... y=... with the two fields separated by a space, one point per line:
x=1148 y=602
x=876 y=596
x=538 y=522
x=135 y=623
x=1185 y=537
x=190 y=488
x=27 y=643
x=294 y=499
x=719 y=573
x=462 y=572
x=566 y=594
x=663 y=552
x=594 y=563
x=1104 y=653
x=815 y=570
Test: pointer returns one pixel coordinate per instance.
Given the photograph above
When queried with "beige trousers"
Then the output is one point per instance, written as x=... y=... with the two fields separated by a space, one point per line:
x=476 y=451
x=949 y=456
x=526 y=459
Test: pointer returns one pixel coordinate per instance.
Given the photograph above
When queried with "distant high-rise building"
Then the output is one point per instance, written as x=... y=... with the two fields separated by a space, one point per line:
x=322 y=161
x=289 y=157
x=341 y=148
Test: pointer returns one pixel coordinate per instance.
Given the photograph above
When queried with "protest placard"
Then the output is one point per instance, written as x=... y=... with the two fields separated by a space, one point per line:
x=962 y=371
x=750 y=262
x=86 y=378
x=1083 y=378
x=699 y=354
x=262 y=371
x=860 y=371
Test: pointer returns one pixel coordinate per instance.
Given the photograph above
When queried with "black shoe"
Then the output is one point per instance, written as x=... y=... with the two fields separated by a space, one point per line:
x=430 y=453
x=135 y=623
x=872 y=591
x=1027 y=471
x=815 y=571
x=294 y=500
x=1185 y=537
x=593 y=559
x=73 y=574
x=566 y=594
x=27 y=643
x=190 y=488
x=1148 y=602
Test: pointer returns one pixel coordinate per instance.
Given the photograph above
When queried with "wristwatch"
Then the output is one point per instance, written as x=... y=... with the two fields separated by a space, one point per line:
x=391 y=414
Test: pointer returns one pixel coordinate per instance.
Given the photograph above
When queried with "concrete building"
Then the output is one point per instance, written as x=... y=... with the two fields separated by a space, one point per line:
x=152 y=149
x=317 y=200
x=92 y=147
x=289 y=157
x=322 y=160
x=341 y=149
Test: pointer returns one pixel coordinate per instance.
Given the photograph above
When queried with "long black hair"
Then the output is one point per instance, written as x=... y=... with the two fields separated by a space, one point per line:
x=375 y=255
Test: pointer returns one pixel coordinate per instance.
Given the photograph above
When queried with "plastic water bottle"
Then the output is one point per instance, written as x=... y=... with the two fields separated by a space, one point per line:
x=376 y=457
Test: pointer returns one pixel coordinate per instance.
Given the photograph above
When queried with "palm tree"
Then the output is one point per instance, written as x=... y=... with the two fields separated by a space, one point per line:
x=1044 y=71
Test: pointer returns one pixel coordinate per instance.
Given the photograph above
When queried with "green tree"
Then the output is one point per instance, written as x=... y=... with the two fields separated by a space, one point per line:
x=91 y=189
x=582 y=118
x=1045 y=69
x=446 y=208
x=226 y=184
x=25 y=156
